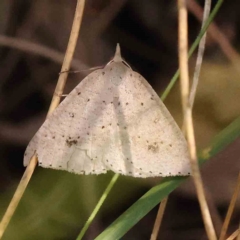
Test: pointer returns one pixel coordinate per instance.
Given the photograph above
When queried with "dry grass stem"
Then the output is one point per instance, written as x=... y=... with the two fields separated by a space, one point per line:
x=201 y=49
x=68 y=56
x=216 y=218
x=230 y=210
x=234 y=235
x=55 y=101
x=159 y=218
x=39 y=50
x=188 y=121
x=217 y=35
x=17 y=195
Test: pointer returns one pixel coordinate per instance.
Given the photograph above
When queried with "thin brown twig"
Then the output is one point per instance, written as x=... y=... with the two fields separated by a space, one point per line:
x=234 y=235
x=201 y=48
x=159 y=218
x=55 y=101
x=230 y=209
x=188 y=121
x=216 y=218
x=216 y=34
x=68 y=56
x=38 y=49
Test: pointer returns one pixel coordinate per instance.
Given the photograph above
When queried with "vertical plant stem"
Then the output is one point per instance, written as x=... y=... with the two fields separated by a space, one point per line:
x=55 y=101
x=98 y=206
x=230 y=209
x=159 y=218
x=201 y=49
x=68 y=56
x=188 y=121
x=217 y=35
x=194 y=46
x=17 y=195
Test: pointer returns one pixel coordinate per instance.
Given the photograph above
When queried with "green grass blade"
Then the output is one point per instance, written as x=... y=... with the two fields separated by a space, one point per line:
x=98 y=206
x=149 y=200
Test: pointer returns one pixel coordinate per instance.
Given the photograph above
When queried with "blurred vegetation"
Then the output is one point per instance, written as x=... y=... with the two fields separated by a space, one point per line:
x=56 y=204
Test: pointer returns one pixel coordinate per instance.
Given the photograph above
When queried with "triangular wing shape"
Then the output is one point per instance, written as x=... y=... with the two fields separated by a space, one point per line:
x=113 y=120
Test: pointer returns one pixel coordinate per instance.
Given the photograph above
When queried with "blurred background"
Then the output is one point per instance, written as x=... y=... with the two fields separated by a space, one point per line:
x=56 y=204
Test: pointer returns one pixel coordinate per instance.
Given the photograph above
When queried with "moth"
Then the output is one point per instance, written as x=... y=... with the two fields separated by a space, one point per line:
x=113 y=120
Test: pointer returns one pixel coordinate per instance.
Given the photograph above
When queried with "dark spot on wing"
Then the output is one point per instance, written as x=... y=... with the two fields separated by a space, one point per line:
x=142 y=104
x=71 y=142
x=153 y=148
x=79 y=93
x=103 y=127
x=88 y=100
x=103 y=73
